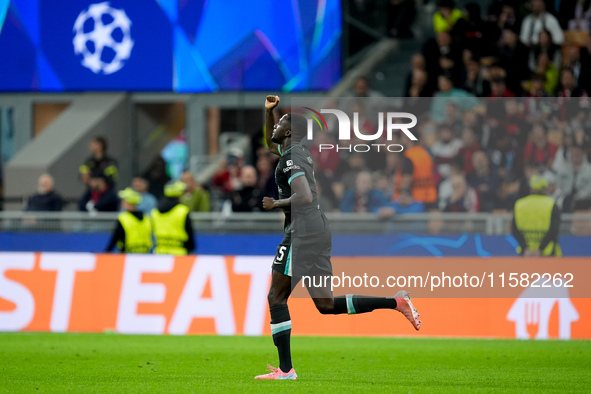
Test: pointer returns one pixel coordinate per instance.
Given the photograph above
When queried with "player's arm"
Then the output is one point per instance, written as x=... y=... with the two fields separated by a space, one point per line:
x=300 y=194
x=270 y=121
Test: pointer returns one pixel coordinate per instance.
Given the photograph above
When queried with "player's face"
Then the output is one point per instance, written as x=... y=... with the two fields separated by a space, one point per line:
x=281 y=130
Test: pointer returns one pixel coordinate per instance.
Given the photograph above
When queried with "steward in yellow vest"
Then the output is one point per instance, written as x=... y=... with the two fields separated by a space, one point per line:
x=536 y=221
x=173 y=231
x=133 y=233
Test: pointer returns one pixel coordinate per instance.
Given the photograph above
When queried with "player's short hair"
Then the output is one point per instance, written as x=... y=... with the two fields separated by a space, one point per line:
x=299 y=126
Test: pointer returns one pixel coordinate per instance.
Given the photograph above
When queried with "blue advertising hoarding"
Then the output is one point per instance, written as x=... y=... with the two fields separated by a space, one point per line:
x=169 y=45
x=266 y=244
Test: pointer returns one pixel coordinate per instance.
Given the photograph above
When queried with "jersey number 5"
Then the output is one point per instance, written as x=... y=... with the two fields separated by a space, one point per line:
x=281 y=253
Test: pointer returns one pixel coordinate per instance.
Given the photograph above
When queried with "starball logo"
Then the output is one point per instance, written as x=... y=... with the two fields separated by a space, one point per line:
x=345 y=128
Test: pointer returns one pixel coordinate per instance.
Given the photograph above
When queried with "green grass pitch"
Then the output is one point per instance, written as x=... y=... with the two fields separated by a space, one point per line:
x=110 y=363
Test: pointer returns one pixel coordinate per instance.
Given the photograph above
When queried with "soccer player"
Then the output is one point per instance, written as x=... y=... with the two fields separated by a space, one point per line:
x=309 y=235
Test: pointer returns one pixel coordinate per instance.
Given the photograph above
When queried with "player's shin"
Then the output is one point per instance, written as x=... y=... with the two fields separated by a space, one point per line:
x=355 y=304
x=281 y=330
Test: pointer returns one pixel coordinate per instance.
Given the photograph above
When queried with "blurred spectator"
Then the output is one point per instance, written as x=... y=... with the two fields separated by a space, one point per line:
x=539 y=150
x=416 y=174
x=171 y=223
x=577 y=59
x=362 y=89
x=148 y=201
x=513 y=58
x=326 y=197
x=194 y=197
x=507 y=16
x=99 y=197
x=445 y=150
x=575 y=15
x=418 y=83
x=499 y=89
x=470 y=145
x=515 y=123
x=447 y=93
x=536 y=222
x=392 y=164
x=133 y=232
x=383 y=183
x=568 y=85
x=473 y=120
x=548 y=69
x=401 y=15
x=453 y=119
x=476 y=35
x=574 y=178
x=403 y=205
x=227 y=179
x=176 y=154
x=516 y=186
x=439 y=47
x=453 y=67
x=356 y=164
x=546 y=46
x=248 y=198
x=266 y=182
x=505 y=155
x=463 y=198
x=573 y=102
x=446 y=16
x=585 y=55
x=495 y=115
x=474 y=81
x=535 y=88
x=445 y=190
x=484 y=181
x=562 y=156
x=363 y=198
x=325 y=160
x=538 y=20
x=99 y=162
x=46 y=198
x=157 y=177
x=560 y=198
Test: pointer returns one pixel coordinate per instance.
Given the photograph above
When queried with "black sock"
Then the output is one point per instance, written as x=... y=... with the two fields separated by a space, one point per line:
x=281 y=329
x=354 y=304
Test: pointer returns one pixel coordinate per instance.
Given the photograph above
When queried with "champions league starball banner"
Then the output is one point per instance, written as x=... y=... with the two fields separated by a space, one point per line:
x=169 y=45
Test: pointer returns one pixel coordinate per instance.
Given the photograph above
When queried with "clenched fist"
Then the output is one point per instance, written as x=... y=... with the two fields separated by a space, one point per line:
x=271 y=102
x=268 y=203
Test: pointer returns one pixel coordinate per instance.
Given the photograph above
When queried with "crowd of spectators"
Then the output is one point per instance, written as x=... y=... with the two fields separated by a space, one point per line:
x=99 y=176
x=500 y=95
x=504 y=95
x=477 y=157
x=530 y=62
x=517 y=49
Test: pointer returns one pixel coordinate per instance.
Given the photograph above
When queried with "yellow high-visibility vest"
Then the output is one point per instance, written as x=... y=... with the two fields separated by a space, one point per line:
x=533 y=215
x=169 y=230
x=138 y=233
